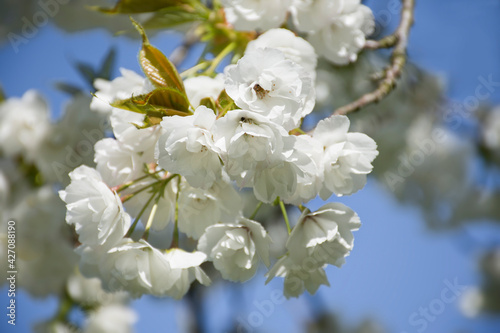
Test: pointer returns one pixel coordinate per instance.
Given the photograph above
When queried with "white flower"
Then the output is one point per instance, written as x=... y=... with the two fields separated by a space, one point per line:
x=266 y=82
x=40 y=220
x=131 y=266
x=199 y=208
x=122 y=87
x=297 y=178
x=199 y=87
x=187 y=148
x=298 y=278
x=70 y=141
x=139 y=140
x=117 y=163
x=115 y=318
x=307 y=158
x=293 y=47
x=347 y=157
x=45 y=273
x=245 y=139
x=235 y=248
x=324 y=235
x=94 y=209
x=24 y=122
x=255 y=14
x=185 y=269
x=344 y=36
x=88 y=291
x=278 y=180
x=313 y=15
x=139 y=268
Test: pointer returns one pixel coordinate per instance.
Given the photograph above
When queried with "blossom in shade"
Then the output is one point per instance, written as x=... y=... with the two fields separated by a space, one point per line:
x=235 y=248
x=324 y=235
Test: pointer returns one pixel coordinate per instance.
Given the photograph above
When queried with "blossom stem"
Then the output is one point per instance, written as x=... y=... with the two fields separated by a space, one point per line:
x=132 y=227
x=65 y=307
x=191 y=71
x=122 y=187
x=175 y=239
x=131 y=195
x=285 y=216
x=399 y=40
x=256 y=210
x=216 y=61
x=151 y=217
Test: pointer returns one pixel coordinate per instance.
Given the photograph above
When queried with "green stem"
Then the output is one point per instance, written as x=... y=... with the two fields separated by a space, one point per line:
x=188 y=72
x=131 y=195
x=255 y=211
x=285 y=216
x=151 y=217
x=175 y=239
x=122 y=187
x=132 y=227
x=216 y=61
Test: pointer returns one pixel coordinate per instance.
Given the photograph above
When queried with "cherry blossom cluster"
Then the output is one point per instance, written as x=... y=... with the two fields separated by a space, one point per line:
x=336 y=28
x=181 y=177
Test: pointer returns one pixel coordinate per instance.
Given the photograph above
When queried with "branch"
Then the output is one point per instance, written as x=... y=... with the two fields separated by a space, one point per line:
x=398 y=40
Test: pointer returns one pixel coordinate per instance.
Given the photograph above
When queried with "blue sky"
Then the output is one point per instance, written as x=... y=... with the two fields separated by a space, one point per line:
x=397 y=265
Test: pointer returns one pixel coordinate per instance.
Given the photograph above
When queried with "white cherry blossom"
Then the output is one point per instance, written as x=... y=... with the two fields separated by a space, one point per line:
x=343 y=38
x=347 y=157
x=293 y=47
x=324 y=235
x=255 y=14
x=96 y=212
x=235 y=248
x=119 y=164
x=24 y=122
x=245 y=139
x=112 y=318
x=307 y=158
x=139 y=140
x=125 y=86
x=266 y=82
x=199 y=87
x=185 y=269
x=298 y=277
x=187 y=148
x=139 y=268
x=199 y=208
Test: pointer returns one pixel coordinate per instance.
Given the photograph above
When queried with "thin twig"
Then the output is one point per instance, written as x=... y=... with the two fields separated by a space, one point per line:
x=398 y=60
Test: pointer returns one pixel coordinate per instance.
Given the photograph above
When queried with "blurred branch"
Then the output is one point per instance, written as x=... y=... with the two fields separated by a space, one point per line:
x=181 y=52
x=398 y=40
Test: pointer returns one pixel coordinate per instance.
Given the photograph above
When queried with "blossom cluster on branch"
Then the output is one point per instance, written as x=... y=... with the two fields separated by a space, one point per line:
x=184 y=149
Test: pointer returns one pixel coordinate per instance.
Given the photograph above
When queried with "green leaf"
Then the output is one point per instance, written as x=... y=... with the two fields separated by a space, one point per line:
x=107 y=65
x=157 y=104
x=173 y=16
x=225 y=103
x=156 y=66
x=209 y=102
x=138 y=6
x=68 y=88
x=2 y=95
x=87 y=72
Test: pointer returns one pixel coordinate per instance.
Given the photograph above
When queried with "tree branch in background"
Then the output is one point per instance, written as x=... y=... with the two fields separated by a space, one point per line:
x=398 y=40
